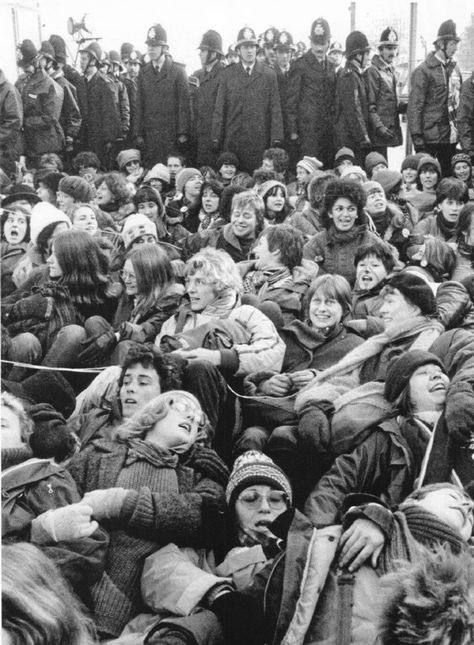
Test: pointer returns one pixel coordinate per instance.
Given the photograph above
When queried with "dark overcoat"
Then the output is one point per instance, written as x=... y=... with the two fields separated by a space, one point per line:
x=383 y=103
x=163 y=109
x=103 y=118
x=204 y=102
x=247 y=118
x=310 y=106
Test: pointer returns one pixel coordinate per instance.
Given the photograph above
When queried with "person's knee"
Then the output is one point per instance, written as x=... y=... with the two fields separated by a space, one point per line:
x=96 y=325
x=284 y=437
x=26 y=348
x=252 y=438
x=72 y=334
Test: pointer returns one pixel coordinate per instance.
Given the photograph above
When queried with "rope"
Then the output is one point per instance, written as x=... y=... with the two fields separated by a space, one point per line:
x=80 y=370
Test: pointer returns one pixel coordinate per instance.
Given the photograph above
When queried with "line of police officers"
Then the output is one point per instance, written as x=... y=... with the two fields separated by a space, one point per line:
x=310 y=105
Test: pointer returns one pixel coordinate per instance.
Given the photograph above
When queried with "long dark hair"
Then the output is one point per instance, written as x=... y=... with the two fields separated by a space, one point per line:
x=84 y=265
x=154 y=274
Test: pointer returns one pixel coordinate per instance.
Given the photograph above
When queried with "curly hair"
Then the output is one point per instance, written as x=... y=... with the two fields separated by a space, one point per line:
x=217 y=268
x=85 y=159
x=343 y=188
x=451 y=188
x=117 y=184
x=280 y=158
x=168 y=368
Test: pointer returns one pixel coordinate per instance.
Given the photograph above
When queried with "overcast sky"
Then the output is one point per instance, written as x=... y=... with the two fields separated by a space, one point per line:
x=186 y=21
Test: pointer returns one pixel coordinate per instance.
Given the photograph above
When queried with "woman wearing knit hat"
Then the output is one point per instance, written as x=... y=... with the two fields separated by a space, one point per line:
x=46 y=222
x=297 y=190
x=461 y=164
x=451 y=195
x=408 y=450
x=182 y=579
x=185 y=206
x=159 y=178
x=73 y=189
x=374 y=161
x=275 y=198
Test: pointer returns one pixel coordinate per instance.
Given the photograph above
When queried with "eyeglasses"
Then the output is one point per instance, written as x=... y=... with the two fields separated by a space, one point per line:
x=276 y=500
x=187 y=409
x=125 y=275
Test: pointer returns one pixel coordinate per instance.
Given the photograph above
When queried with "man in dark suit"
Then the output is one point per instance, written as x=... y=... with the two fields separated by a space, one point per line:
x=247 y=118
x=163 y=115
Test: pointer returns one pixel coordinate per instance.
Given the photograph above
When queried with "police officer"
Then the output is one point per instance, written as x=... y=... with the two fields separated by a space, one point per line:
x=131 y=58
x=384 y=120
x=70 y=117
x=352 y=110
x=103 y=126
x=336 y=54
x=247 y=118
x=311 y=95
x=73 y=77
x=434 y=99
x=269 y=39
x=163 y=103
x=205 y=94
x=284 y=50
x=115 y=72
x=41 y=106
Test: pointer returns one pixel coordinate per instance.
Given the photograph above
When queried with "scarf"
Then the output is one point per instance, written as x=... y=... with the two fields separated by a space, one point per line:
x=259 y=281
x=414 y=528
x=221 y=306
x=142 y=450
x=339 y=378
x=336 y=238
x=446 y=228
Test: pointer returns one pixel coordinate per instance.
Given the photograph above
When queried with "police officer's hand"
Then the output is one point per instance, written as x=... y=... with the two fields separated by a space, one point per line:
x=384 y=132
x=418 y=144
x=365 y=145
x=215 y=146
x=140 y=142
x=182 y=138
x=108 y=146
x=294 y=136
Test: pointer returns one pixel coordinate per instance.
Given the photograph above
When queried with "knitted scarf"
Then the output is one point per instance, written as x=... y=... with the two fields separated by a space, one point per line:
x=259 y=281
x=336 y=238
x=446 y=228
x=344 y=375
x=140 y=449
x=414 y=527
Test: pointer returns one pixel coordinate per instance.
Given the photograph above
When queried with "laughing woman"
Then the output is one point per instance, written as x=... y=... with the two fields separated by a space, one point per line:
x=345 y=222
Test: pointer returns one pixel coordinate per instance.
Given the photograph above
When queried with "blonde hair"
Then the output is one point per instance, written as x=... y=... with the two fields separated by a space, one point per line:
x=143 y=421
x=218 y=269
x=37 y=604
x=15 y=405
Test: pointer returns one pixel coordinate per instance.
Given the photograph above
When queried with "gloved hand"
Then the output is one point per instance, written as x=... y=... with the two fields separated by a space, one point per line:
x=294 y=136
x=384 y=132
x=140 y=142
x=130 y=331
x=71 y=522
x=418 y=144
x=106 y=504
x=97 y=347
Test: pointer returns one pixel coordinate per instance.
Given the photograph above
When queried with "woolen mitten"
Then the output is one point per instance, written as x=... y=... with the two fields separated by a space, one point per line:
x=71 y=522
x=106 y=504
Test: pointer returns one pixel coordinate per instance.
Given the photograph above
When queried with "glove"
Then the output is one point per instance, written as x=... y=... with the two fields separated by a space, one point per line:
x=97 y=347
x=418 y=144
x=130 y=331
x=384 y=132
x=460 y=412
x=314 y=429
x=71 y=522
x=106 y=504
x=140 y=142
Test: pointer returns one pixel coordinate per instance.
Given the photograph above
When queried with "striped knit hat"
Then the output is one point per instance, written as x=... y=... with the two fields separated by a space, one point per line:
x=253 y=467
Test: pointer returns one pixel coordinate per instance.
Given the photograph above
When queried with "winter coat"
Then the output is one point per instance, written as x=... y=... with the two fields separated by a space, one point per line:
x=79 y=83
x=10 y=255
x=367 y=303
x=429 y=226
x=428 y=117
x=223 y=238
x=70 y=118
x=150 y=321
x=132 y=88
x=385 y=464
x=335 y=251
x=191 y=515
x=41 y=112
x=383 y=103
x=34 y=487
x=248 y=117
x=163 y=109
x=11 y=120
x=352 y=108
x=308 y=222
x=466 y=116
x=282 y=79
x=310 y=106
x=264 y=351
x=102 y=123
x=203 y=106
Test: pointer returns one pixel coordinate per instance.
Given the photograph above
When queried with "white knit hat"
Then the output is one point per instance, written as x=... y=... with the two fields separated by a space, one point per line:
x=135 y=226
x=159 y=171
x=44 y=214
x=310 y=164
